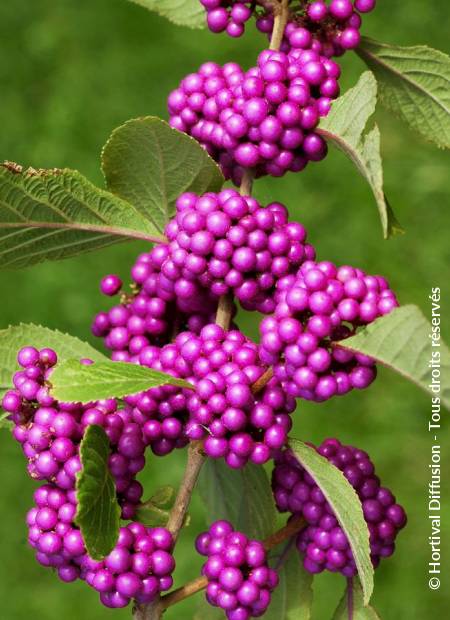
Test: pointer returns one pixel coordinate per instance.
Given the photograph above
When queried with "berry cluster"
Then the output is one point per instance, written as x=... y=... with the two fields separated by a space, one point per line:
x=317 y=308
x=139 y=567
x=239 y=579
x=227 y=15
x=322 y=541
x=264 y=119
x=50 y=431
x=149 y=315
x=334 y=26
x=235 y=423
x=228 y=243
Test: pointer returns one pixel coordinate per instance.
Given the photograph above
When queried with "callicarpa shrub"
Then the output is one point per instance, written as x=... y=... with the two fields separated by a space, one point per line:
x=181 y=374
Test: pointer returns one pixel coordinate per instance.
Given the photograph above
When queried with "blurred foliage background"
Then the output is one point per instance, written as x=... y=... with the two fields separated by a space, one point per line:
x=71 y=72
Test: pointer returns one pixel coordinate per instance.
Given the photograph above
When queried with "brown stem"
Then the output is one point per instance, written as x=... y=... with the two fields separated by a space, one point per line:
x=262 y=381
x=195 y=460
x=281 y=14
x=225 y=311
x=275 y=539
x=247 y=182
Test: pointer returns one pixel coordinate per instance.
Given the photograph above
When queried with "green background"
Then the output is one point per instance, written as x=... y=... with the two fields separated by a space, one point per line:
x=71 y=72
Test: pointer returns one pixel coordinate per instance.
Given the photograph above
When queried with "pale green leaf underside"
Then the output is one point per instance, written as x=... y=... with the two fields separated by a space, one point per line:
x=401 y=340
x=14 y=338
x=75 y=382
x=56 y=214
x=345 y=127
x=346 y=506
x=293 y=597
x=149 y=164
x=182 y=12
x=98 y=512
x=414 y=83
x=242 y=496
x=352 y=605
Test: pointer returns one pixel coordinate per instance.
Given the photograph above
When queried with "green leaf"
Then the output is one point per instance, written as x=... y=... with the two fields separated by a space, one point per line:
x=345 y=126
x=152 y=516
x=75 y=382
x=98 y=512
x=414 y=85
x=243 y=496
x=149 y=164
x=346 y=506
x=402 y=341
x=155 y=512
x=352 y=606
x=14 y=338
x=163 y=497
x=182 y=12
x=56 y=214
x=293 y=597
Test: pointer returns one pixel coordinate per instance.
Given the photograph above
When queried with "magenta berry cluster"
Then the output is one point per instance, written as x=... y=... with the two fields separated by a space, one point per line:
x=227 y=16
x=228 y=243
x=235 y=423
x=239 y=578
x=50 y=432
x=322 y=543
x=147 y=316
x=316 y=309
x=264 y=119
x=334 y=26
x=139 y=566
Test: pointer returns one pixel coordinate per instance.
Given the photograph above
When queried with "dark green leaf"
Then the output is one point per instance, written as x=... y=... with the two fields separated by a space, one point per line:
x=98 y=512
x=292 y=599
x=414 y=84
x=351 y=606
x=402 y=341
x=345 y=127
x=75 y=382
x=56 y=214
x=14 y=338
x=243 y=496
x=149 y=164
x=346 y=506
x=182 y=12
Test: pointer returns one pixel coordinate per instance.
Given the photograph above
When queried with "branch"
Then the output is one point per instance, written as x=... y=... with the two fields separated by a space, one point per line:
x=262 y=381
x=281 y=15
x=285 y=533
x=196 y=458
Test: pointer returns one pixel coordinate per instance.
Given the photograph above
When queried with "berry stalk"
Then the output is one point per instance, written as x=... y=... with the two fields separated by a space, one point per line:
x=281 y=14
x=197 y=585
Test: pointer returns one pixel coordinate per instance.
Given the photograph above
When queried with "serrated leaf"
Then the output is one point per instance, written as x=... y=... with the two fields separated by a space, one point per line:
x=182 y=12
x=345 y=126
x=243 y=496
x=75 y=382
x=56 y=214
x=292 y=598
x=351 y=606
x=149 y=164
x=98 y=512
x=402 y=341
x=414 y=84
x=346 y=506
x=15 y=337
